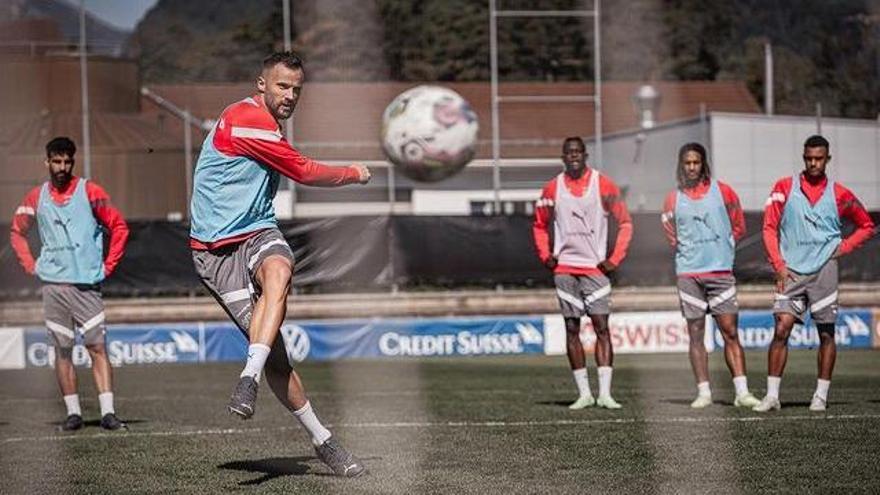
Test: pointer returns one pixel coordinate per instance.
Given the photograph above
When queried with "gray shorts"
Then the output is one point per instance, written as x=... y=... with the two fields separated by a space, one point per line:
x=816 y=292
x=712 y=295
x=229 y=272
x=69 y=309
x=583 y=294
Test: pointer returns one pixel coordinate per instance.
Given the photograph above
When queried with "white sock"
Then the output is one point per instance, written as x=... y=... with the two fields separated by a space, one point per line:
x=822 y=388
x=106 y=401
x=604 y=381
x=773 y=386
x=72 y=403
x=741 y=384
x=310 y=422
x=583 y=384
x=257 y=355
x=703 y=389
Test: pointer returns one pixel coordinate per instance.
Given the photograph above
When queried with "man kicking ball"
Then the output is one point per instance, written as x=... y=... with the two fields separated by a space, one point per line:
x=238 y=251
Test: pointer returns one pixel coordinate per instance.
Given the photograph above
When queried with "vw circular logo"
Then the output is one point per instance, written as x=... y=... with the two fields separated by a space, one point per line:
x=296 y=341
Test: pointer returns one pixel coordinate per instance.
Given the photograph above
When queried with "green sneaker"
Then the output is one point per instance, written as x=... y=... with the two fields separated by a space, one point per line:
x=582 y=402
x=746 y=400
x=607 y=402
x=701 y=401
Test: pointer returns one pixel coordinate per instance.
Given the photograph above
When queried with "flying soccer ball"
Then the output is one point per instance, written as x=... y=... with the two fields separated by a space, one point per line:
x=429 y=133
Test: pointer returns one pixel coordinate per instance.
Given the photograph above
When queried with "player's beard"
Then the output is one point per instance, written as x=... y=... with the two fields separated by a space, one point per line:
x=61 y=178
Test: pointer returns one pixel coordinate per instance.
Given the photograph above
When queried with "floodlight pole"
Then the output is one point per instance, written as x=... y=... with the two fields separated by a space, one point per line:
x=496 y=131
x=84 y=92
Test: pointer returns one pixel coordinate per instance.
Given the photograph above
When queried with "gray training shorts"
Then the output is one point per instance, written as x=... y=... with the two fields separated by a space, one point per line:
x=71 y=308
x=229 y=272
x=701 y=295
x=583 y=294
x=816 y=292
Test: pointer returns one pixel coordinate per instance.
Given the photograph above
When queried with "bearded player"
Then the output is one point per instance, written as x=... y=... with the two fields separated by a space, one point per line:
x=238 y=251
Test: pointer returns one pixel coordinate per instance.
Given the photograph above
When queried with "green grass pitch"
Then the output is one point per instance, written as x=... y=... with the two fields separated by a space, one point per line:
x=462 y=425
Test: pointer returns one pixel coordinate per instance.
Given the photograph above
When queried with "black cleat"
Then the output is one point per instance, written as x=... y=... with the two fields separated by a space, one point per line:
x=72 y=423
x=244 y=398
x=112 y=423
x=339 y=460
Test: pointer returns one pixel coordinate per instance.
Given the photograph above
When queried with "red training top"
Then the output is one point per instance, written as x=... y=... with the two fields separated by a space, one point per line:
x=612 y=202
x=848 y=206
x=104 y=212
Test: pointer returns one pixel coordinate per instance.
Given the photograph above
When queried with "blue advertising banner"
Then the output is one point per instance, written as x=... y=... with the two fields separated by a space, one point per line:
x=315 y=340
x=414 y=337
x=126 y=345
x=853 y=330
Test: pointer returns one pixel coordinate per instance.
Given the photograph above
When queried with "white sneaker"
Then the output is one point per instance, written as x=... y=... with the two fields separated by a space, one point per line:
x=746 y=400
x=582 y=402
x=768 y=403
x=607 y=402
x=818 y=404
x=701 y=401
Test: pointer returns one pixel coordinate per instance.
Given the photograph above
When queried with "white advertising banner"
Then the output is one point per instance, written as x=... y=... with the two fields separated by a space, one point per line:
x=11 y=348
x=642 y=332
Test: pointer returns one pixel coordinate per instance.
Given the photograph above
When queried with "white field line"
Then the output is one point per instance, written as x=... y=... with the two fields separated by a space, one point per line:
x=448 y=424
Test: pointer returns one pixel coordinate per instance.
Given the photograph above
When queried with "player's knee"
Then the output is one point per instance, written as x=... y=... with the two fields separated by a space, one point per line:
x=781 y=333
x=63 y=353
x=602 y=333
x=826 y=332
x=729 y=335
x=97 y=349
x=275 y=275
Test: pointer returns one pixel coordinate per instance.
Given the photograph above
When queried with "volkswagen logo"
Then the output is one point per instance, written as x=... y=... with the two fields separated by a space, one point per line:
x=296 y=341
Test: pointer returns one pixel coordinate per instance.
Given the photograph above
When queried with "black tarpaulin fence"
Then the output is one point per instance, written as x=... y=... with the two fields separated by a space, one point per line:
x=369 y=253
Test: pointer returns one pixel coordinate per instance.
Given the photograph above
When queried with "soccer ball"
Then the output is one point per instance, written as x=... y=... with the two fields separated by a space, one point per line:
x=429 y=133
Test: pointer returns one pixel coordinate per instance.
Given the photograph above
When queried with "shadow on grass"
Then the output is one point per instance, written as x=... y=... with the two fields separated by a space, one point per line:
x=806 y=403
x=557 y=403
x=273 y=467
x=96 y=423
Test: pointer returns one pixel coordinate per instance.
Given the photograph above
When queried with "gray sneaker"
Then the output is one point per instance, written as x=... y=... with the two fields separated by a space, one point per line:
x=73 y=422
x=339 y=460
x=111 y=422
x=244 y=398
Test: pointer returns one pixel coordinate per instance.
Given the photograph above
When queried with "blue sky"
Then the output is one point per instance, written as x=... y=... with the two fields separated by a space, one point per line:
x=123 y=14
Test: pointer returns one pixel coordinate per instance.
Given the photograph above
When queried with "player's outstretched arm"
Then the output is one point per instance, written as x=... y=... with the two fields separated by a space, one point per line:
x=275 y=152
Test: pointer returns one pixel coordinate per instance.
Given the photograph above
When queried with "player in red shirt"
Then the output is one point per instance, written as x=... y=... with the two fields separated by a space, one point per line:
x=69 y=212
x=803 y=239
x=576 y=204
x=240 y=254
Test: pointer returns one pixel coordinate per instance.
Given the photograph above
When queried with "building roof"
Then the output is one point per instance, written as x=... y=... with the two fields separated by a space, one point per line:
x=343 y=120
x=110 y=132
